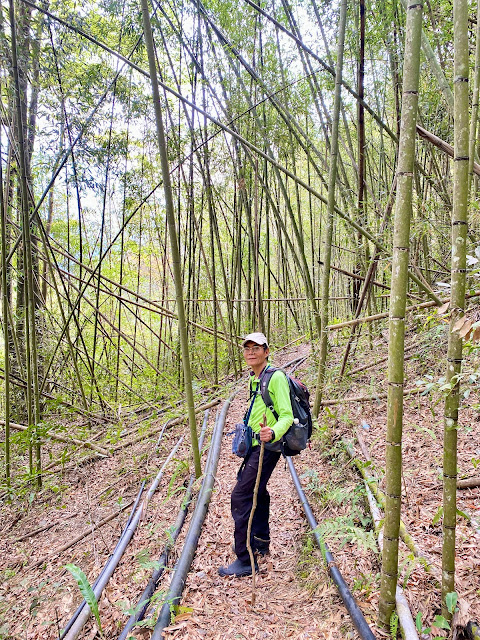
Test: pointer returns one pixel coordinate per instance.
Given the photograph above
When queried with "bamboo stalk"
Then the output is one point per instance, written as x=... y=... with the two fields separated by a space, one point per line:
x=5 y=305
x=401 y=242
x=457 y=304
x=33 y=401
x=58 y=438
x=332 y=178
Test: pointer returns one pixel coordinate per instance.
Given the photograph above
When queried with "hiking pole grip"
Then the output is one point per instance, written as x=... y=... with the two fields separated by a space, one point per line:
x=252 y=512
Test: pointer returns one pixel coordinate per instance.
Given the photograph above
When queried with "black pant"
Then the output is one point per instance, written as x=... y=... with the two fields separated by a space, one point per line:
x=242 y=500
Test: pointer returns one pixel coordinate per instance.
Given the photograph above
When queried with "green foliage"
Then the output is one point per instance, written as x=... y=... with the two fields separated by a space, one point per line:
x=343 y=529
x=451 y=601
x=313 y=483
x=309 y=563
x=439 y=622
x=410 y=563
x=366 y=584
x=393 y=625
x=438 y=516
x=143 y=559
x=128 y=610
x=181 y=468
x=86 y=591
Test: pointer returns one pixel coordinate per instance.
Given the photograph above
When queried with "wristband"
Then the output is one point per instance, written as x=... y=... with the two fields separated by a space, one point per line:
x=273 y=435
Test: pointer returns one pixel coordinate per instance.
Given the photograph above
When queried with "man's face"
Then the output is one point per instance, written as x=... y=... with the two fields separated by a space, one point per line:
x=255 y=354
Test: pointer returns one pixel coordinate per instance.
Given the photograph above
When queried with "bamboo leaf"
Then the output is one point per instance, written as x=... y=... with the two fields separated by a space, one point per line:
x=437 y=516
x=418 y=621
x=441 y=623
x=451 y=601
x=86 y=591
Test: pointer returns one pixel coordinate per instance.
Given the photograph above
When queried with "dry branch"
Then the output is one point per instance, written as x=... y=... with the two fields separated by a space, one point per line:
x=380 y=316
x=123 y=445
x=468 y=483
x=441 y=144
x=53 y=436
x=35 y=532
x=356 y=276
x=82 y=535
x=381 y=361
x=378 y=396
x=157 y=429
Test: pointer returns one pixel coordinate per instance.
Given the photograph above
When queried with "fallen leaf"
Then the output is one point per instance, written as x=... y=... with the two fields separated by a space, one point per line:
x=465 y=329
x=459 y=323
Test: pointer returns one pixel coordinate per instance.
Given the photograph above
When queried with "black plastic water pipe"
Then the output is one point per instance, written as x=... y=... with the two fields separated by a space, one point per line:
x=130 y=518
x=356 y=615
x=112 y=564
x=191 y=541
x=144 y=600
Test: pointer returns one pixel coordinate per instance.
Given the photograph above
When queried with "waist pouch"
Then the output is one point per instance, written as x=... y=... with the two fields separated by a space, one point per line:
x=242 y=440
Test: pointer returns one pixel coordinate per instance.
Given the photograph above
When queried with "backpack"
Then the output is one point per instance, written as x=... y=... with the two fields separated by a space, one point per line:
x=296 y=438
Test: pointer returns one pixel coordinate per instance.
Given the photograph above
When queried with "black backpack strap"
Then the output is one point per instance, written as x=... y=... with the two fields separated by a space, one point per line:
x=266 y=397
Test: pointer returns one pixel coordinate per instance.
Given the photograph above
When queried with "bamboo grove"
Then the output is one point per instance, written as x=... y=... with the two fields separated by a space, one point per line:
x=301 y=165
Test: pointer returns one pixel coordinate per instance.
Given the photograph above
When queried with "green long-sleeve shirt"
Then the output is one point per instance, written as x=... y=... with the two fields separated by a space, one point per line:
x=280 y=394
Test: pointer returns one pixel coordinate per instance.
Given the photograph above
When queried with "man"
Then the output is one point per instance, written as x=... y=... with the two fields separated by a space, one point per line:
x=256 y=352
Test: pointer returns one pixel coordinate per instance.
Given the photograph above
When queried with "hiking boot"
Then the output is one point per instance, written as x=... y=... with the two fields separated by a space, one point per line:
x=237 y=569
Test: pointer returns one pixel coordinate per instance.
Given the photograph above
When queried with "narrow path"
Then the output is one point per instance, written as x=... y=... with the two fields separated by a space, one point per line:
x=216 y=608
x=295 y=597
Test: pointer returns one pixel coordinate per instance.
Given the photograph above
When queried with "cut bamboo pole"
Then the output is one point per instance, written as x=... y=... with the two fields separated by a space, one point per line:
x=58 y=438
x=381 y=316
x=468 y=483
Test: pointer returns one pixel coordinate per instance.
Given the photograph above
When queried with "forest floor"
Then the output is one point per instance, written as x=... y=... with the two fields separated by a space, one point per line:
x=295 y=596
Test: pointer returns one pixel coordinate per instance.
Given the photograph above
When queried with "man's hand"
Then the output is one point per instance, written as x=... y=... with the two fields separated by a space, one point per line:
x=266 y=434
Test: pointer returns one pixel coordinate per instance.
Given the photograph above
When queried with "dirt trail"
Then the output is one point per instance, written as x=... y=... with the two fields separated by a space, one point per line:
x=217 y=608
x=37 y=602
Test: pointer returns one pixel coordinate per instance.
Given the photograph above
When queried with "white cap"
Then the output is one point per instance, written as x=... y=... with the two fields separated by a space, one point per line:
x=258 y=338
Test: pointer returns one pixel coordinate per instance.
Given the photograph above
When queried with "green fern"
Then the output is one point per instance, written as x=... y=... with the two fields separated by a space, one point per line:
x=393 y=625
x=343 y=529
x=362 y=538
x=86 y=591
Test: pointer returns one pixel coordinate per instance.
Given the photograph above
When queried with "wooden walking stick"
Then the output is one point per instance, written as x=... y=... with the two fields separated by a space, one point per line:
x=252 y=512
